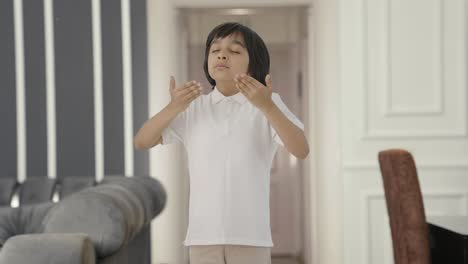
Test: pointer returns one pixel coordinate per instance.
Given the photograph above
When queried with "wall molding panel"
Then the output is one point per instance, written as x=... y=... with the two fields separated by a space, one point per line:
x=381 y=235
x=387 y=117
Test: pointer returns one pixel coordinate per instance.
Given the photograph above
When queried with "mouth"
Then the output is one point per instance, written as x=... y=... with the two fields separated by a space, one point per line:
x=221 y=66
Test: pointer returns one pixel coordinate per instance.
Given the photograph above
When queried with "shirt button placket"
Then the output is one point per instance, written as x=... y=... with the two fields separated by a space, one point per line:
x=227 y=124
x=229 y=110
x=226 y=175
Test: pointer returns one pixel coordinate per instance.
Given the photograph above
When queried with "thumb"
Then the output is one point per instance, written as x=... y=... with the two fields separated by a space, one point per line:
x=172 y=83
x=268 y=82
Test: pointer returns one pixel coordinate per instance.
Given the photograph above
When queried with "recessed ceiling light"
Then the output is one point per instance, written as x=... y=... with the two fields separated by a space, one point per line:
x=240 y=11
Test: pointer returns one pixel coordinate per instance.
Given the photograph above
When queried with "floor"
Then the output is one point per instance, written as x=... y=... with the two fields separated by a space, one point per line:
x=279 y=260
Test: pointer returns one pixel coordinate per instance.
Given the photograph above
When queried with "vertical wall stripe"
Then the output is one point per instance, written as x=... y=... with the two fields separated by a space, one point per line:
x=50 y=88
x=98 y=102
x=20 y=94
x=140 y=79
x=140 y=92
x=8 y=135
x=112 y=87
x=127 y=86
x=74 y=88
x=35 y=89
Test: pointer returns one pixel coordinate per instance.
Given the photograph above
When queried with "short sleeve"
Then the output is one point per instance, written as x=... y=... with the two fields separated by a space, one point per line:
x=290 y=115
x=176 y=130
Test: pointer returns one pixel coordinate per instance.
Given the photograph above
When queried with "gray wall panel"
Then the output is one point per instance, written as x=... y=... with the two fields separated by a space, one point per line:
x=112 y=87
x=35 y=88
x=140 y=79
x=74 y=91
x=74 y=88
x=8 y=159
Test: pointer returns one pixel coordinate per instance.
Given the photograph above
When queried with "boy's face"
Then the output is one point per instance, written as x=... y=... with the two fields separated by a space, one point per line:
x=227 y=57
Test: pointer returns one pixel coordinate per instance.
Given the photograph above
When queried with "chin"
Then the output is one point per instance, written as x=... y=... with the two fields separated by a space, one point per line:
x=222 y=78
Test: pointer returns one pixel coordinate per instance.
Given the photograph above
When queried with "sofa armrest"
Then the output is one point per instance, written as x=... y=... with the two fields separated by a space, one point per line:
x=71 y=248
x=111 y=214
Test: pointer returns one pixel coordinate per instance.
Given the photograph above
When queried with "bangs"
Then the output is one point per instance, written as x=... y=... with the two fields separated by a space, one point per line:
x=225 y=31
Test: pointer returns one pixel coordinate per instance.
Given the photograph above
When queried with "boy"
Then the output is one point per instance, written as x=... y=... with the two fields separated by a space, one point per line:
x=231 y=136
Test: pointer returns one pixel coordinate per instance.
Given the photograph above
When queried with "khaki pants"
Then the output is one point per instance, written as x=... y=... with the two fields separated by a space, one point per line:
x=229 y=254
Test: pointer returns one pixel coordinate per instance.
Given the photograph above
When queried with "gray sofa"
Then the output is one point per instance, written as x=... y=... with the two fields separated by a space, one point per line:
x=108 y=222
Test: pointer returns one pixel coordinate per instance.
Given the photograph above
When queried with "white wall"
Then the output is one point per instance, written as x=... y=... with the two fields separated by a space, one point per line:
x=167 y=162
x=403 y=84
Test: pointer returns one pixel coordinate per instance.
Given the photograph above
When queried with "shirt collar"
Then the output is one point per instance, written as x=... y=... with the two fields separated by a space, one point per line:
x=217 y=96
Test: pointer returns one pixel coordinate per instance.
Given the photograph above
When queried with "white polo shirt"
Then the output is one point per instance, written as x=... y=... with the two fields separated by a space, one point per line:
x=230 y=147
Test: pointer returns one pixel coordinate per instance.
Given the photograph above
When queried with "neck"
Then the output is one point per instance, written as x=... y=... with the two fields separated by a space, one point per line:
x=227 y=88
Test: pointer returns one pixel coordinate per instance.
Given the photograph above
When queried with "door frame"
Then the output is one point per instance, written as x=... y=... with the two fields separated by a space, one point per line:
x=322 y=194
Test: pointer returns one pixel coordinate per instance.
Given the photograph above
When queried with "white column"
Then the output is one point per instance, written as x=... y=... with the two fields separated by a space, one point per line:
x=127 y=86
x=327 y=183
x=167 y=163
x=20 y=90
x=50 y=88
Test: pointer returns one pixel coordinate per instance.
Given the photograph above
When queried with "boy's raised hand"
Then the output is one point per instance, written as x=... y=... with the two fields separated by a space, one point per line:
x=257 y=93
x=182 y=96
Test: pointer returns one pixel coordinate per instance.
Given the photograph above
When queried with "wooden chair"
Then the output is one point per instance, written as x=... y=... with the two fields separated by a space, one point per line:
x=410 y=235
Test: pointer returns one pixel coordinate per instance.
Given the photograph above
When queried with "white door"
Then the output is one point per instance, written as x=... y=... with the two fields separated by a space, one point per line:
x=403 y=85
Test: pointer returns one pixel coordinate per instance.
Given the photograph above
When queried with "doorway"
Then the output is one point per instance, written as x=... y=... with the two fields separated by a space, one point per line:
x=284 y=30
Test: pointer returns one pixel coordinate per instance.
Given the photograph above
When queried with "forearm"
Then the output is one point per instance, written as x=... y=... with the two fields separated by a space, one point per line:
x=292 y=136
x=149 y=134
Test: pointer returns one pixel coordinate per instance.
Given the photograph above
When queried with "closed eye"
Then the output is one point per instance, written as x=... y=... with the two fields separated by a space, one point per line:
x=232 y=51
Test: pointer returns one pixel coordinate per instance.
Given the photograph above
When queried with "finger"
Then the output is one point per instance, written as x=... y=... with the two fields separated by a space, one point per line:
x=187 y=85
x=258 y=84
x=268 y=82
x=172 y=83
x=191 y=93
x=252 y=82
x=246 y=85
x=242 y=91
x=184 y=91
x=193 y=97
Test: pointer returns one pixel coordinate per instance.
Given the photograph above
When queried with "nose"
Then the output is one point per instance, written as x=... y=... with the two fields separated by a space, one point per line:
x=222 y=57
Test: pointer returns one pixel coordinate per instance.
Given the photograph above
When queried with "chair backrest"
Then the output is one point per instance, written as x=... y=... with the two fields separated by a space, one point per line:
x=410 y=235
x=70 y=185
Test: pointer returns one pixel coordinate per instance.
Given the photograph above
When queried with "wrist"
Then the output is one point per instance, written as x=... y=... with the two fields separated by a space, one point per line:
x=173 y=108
x=268 y=107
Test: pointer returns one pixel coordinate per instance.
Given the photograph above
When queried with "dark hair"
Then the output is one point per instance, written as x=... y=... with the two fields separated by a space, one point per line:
x=259 y=59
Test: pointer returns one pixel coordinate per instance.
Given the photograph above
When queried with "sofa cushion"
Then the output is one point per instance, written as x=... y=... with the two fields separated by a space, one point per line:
x=22 y=220
x=36 y=190
x=73 y=184
x=7 y=224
